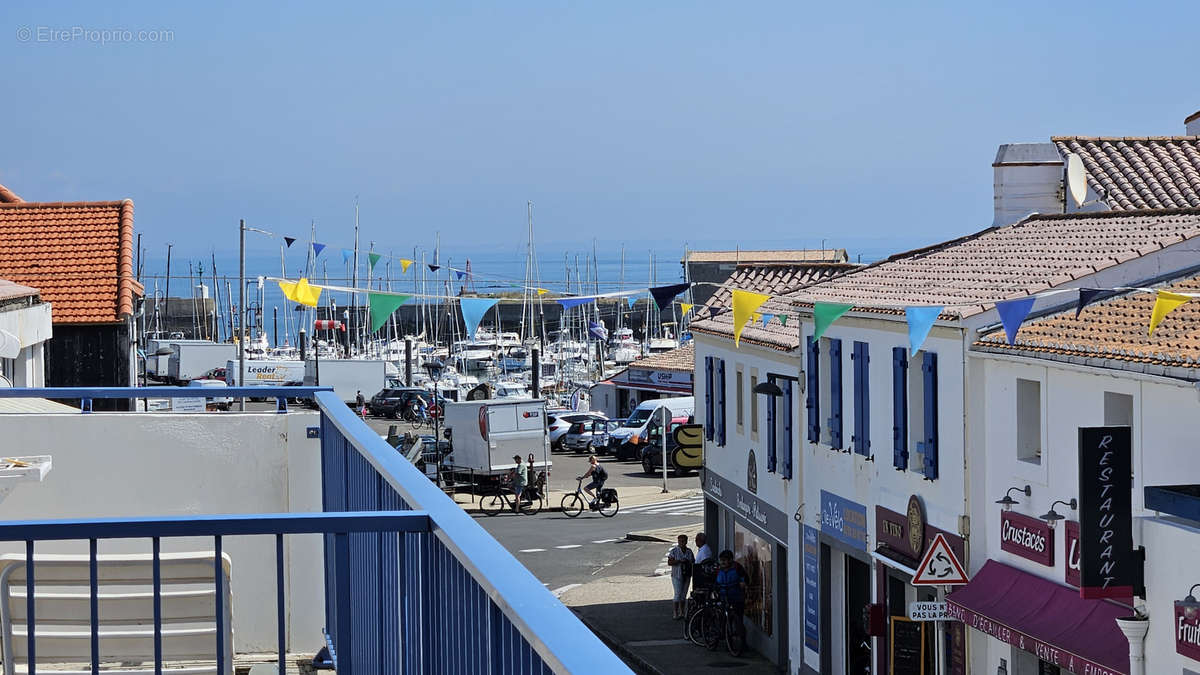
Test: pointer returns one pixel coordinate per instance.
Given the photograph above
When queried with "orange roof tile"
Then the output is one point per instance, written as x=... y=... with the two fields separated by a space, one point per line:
x=79 y=255
x=8 y=196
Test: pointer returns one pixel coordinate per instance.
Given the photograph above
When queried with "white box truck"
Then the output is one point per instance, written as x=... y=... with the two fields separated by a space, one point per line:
x=348 y=376
x=190 y=360
x=265 y=373
x=485 y=435
x=158 y=354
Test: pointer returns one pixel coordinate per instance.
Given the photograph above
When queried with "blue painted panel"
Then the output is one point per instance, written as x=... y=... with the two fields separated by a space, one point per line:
x=835 y=393
x=788 y=445
x=929 y=373
x=862 y=399
x=813 y=390
x=900 y=408
x=772 y=431
x=721 y=412
x=709 y=423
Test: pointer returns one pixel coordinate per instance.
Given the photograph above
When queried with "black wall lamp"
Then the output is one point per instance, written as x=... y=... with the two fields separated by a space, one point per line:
x=1051 y=517
x=769 y=388
x=1191 y=607
x=1007 y=501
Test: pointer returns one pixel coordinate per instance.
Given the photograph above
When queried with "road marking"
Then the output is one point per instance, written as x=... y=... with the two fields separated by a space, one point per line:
x=531 y=550
x=559 y=591
x=605 y=541
x=658 y=643
x=569 y=546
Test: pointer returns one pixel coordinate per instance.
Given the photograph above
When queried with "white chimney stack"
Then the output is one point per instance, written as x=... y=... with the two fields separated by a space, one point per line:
x=1028 y=177
x=1191 y=125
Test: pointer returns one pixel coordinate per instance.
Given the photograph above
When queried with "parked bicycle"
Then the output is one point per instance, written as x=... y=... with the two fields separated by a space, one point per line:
x=504 y=499
x=722 y=622
x=416 y=415
x=701 y=596
x=606 y=502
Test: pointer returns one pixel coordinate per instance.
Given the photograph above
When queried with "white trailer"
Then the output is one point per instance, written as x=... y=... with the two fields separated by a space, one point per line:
x=486 y=435
x=264 y=373
x=189 y=360
x=347 y=376
x=158 y=364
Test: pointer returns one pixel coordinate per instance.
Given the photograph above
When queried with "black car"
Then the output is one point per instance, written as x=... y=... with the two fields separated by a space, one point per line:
x=389 y=402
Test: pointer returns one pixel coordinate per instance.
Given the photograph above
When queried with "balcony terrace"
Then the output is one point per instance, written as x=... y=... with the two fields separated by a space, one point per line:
x=183 y=542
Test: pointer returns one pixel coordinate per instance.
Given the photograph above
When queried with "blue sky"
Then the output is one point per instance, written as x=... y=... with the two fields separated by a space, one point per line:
x=868 y=125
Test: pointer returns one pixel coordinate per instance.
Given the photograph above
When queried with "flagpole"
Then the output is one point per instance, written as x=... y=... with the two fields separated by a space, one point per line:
x=354 y=282
x=241 y=311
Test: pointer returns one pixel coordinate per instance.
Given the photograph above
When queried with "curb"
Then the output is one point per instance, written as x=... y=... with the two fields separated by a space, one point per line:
x=636 y=662
x=645 y=536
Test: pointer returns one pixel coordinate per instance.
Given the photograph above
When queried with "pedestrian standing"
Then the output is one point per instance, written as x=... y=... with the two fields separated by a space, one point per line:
x=360 y=403
x=703 y=552
x=531 y=474
x=680 y=558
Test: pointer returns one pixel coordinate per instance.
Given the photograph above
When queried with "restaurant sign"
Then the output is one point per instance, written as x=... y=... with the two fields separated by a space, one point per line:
x=1187 y=629
x=1030 y=538
x=844 y=520
x=1108 y=568
x=1043 y=650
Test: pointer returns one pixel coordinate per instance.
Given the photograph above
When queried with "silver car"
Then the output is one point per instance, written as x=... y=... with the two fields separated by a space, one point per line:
x=590 y=435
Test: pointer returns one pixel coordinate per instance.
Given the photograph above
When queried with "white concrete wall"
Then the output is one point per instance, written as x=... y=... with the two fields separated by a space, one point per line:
x=1172 y=549
x=32 y=327
x=127 y=465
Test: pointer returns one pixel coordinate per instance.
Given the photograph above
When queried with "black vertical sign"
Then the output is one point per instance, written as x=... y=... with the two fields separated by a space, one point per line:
x=1106 y=559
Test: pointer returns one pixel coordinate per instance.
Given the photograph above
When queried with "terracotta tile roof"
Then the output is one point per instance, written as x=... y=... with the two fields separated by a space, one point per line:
x=79 y=255
x=834 y=255
x=1113 y=330
x=1140 y=172
x=8 y=196
x=774 y=280
x=682 y=359
x=970 y=274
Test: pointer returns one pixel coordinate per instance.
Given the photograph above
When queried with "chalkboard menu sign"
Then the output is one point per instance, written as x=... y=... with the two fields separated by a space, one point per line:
x=908 y=647
x=1106 y=558
x=1046 y=668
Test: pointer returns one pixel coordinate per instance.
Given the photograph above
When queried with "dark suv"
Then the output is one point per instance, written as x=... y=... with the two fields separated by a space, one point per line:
x=389 y=402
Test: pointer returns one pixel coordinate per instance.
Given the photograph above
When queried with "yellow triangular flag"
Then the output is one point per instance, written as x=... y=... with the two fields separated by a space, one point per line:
x=1164 y=304
x=404 y=263
x=542 y=291
x=289 y=290
x=756 y=317
x=744 y=304
x=686 y=306
x=305 y=294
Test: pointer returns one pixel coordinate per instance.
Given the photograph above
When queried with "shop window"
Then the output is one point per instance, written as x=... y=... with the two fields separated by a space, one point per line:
x=753 y=405
x=754 y=554
x=1029 y=421
x=709 y=421
x=1118 y=409
x=813 y=390
x=861 y=439
x=739 y=401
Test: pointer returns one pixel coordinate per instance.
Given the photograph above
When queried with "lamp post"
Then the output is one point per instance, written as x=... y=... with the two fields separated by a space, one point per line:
x=666 y=427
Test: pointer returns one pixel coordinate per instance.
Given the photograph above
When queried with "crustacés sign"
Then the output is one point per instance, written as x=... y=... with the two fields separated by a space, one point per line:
x=1107 y=563
x=1027 y=537
x=761 y=515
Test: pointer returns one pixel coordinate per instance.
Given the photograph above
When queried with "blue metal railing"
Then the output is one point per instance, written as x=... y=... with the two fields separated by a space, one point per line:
x=87 y=394
x=483 y=611
x=338 y=527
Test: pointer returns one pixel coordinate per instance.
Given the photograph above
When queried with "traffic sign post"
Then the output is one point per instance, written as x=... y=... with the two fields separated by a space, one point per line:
x=940 y=567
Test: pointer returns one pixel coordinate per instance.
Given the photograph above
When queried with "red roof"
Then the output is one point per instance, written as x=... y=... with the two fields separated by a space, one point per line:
x=79 y=255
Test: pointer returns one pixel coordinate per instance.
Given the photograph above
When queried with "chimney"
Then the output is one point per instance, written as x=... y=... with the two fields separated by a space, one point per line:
x=1191 y=125
x=1028 y=177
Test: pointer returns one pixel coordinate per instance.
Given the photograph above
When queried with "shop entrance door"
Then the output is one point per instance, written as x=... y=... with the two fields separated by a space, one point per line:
x=858 y=596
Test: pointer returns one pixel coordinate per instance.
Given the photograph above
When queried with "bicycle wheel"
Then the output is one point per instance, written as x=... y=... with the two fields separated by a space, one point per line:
x=531 y=507
x=492 y=504
x=417 y=422
x=711 y=626
x=735 y=642
x=572 y=505
x=610 y=509
x=694 y=627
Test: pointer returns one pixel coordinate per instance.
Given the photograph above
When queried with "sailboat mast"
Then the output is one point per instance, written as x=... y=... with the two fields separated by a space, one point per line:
x=354 y=281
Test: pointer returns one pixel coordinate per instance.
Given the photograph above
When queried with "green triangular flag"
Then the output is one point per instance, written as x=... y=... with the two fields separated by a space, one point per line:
x=374 y=258
x=783 y=319
x=824 y=314
x=382 y=306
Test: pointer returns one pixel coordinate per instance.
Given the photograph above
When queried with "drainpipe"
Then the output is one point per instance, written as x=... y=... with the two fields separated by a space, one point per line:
x=1135 y=628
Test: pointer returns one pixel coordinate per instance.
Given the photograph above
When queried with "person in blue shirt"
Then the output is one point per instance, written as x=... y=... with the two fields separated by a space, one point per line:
x=731 y=583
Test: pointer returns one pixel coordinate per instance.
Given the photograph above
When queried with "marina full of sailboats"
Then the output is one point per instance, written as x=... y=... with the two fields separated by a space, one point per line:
x=575 y=331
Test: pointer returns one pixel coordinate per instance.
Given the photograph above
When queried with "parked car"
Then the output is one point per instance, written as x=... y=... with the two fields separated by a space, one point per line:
x=589 y=435
x=560 y=421
x=627 y=441
x=652 y=451
x=392 y=402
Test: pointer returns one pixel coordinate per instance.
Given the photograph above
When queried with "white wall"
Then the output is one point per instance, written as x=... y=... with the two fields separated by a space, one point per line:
x=1172 y=549
x=127 y=465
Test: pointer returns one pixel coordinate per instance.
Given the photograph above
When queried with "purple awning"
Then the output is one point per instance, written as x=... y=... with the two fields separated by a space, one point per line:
x=1044 y=618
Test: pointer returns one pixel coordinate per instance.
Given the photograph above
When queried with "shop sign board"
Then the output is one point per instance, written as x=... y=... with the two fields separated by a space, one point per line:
x=903 y=532
x=748 y=507
x=660 y=377
x=924 y=610
x=1071 y=545
x=1030 y=538
x=812 y=608
x=1187 y=629
x=844 y=520
x=1107 y=564
x=1044 y=650
x=907 y=642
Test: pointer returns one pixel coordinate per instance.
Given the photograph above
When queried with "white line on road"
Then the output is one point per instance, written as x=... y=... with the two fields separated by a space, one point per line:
x=569 y=546
x=559 y=591
x=531 y=550
x=605 y=541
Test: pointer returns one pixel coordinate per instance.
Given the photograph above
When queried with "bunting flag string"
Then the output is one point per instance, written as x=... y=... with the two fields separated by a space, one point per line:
x=713 y=312
x=824 y=314
x=540 y=291
x=1012 y=315
x=404 y=263
x=632 y=301
x=382 y=305
x=374 y=258
x=301 y=292
x=686 y=307
x=433 y=268
x=460 y=274
x=766 y=319
x=346 y=255
x=920 y=320
x=744 y=304
x=663 y=295
x=569 y=302
x=1089 y=295
x=317 y=248
x=289 y=241
x=1165 y=302
x=473 y=310
x=783 y=319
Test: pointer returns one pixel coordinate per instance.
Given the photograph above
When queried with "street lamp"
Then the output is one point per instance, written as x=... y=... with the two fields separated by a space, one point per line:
x=1052 y=517
x=1007 y=501
x=768 y=388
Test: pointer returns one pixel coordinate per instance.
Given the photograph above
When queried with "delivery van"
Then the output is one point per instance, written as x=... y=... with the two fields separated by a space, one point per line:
x=626 y=441
x=485 y=435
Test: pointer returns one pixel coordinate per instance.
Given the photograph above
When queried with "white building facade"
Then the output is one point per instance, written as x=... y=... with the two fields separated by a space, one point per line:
x=24 y=328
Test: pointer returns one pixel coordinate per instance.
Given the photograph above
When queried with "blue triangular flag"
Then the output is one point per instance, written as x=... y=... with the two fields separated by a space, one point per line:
x=473 y=310
x=713 y=312
x=597 y=331
x=663 y=295
x=289 y=241
x=568 y=303
x=460 y=274
x=346 y=255
x=317 y=248
x=1089 y=295
x=632 y=300
x=1012 y=314
x=920 y=320
x=766 y=318
x=434 y=268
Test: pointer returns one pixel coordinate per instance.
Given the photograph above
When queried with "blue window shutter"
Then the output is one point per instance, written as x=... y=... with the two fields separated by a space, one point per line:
x=787 y=429
x=771 y=402
x=813 y=397
x=929 y=371
x=721 y=402
x=835 y=393
x=862 y=399
x=709 y=422
x=900 y=408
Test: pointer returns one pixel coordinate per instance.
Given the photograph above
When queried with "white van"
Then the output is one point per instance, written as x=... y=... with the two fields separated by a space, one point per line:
x=485 y=435
x=624 y=442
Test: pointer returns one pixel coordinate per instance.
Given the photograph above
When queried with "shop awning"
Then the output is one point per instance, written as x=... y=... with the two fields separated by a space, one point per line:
x=1044 y=618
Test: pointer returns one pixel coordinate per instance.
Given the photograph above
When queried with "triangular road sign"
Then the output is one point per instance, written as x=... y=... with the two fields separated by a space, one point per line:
x=939 y=567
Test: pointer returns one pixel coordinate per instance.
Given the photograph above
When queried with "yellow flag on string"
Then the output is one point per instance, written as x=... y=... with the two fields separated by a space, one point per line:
x=404 y=263
x=542 y=291
x=289 y=290
x=1164 y=304
x=686 y=306
x=756 y=317
x=301 y=292
x=744 y=304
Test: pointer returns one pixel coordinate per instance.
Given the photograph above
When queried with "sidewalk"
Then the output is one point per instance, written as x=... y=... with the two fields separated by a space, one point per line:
x=629 y=496
x=632 y=614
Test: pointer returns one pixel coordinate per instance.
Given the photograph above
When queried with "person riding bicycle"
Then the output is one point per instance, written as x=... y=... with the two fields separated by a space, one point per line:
x=731 y=582
x=517 y=478
x=599 y=475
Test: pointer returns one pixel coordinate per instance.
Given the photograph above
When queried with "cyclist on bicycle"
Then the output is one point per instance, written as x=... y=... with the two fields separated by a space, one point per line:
x=599 y=474
x=517 y=478
x=731 y=582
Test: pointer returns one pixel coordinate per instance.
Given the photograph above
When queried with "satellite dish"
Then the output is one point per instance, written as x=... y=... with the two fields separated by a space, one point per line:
x=10 y=346
x=1076 y=179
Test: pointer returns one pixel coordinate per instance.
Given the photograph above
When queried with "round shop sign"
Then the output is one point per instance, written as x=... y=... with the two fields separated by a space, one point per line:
x=916 y=526
x=752 y=474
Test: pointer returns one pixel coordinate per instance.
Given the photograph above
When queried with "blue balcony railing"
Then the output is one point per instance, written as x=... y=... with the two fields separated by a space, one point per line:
x=412 y=583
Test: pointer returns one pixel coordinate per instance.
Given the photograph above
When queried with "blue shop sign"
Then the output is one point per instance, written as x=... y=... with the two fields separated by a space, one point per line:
x=812 y=609
x=844 y=520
